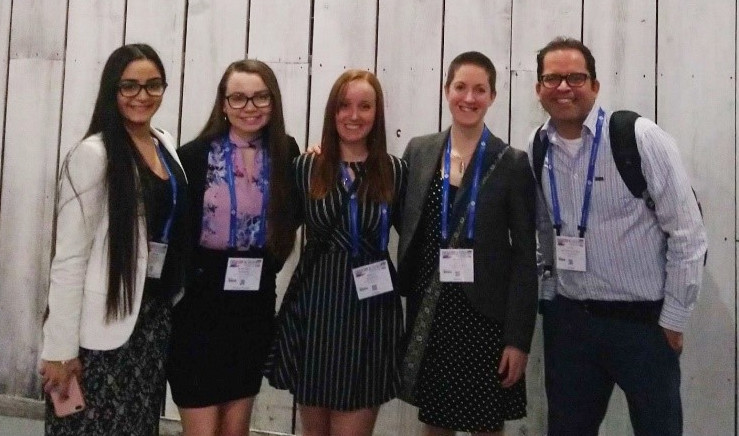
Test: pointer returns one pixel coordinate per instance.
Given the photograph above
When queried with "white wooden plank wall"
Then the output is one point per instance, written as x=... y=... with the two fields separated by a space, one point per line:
x=4 y=43
x=95 y=29
x=695 y=103
x=162 y=25
x=671 y=60
x=34 y=94
x=484 y=26
x=216 y=36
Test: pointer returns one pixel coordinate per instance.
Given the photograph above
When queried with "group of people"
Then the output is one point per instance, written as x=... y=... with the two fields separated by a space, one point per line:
x=166 y=259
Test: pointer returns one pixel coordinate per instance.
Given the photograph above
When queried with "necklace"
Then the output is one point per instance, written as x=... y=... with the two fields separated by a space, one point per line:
x=462 y=158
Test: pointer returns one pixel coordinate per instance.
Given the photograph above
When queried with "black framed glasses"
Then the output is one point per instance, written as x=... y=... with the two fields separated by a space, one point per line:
x=132 y=88
x=574 y=80
x=238 y=100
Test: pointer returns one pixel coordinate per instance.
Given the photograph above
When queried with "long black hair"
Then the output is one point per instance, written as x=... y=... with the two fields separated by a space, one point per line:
x=121 y=178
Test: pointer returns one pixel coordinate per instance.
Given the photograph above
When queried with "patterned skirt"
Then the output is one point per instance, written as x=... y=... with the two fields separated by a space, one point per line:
x=123 y=388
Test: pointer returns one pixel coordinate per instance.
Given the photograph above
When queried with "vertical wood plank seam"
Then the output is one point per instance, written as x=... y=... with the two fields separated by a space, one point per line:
x=582 y=21
x=125 y=20
x=656 y=65
x=183 y=62
x=59 y=137
x=377 y=33
x=248 y=26
x=441 y=66
x=5 y=102
x=510 y=75
x=736 y=236
x=311 y=30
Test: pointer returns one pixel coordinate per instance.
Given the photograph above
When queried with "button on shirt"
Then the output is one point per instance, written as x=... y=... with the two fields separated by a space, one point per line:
x=629 y=257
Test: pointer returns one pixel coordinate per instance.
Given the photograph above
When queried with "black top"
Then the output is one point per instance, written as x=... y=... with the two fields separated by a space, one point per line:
x=157 y=195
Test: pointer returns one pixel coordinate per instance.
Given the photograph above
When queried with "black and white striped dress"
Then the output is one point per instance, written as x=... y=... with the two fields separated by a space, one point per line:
x=333 y=350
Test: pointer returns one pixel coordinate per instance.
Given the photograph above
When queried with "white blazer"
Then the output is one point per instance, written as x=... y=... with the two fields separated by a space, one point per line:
x=79 y=271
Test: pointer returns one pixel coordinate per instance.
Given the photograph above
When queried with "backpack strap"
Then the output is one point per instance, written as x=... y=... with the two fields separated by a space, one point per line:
x=626 y=154
x=539 y=150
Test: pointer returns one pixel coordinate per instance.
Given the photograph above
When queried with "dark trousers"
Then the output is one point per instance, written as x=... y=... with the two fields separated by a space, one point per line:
x=586 y=354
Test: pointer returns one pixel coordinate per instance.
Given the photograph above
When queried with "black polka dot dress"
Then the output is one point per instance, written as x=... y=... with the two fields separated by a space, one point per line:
x=458 y=386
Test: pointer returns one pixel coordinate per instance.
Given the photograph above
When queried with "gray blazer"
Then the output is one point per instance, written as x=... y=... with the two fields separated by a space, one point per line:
x=505 y=287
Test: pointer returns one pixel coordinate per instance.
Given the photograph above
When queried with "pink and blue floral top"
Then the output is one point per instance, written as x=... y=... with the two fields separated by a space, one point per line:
x=247 y=168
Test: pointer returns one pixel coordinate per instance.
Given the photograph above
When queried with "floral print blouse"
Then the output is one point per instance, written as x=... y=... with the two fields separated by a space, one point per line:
x=247 y=168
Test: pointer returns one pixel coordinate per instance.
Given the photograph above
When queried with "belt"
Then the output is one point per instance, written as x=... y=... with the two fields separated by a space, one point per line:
x=638 y=311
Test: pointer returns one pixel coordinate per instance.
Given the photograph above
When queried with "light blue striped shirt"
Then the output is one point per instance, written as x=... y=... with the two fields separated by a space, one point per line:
x=629 y=258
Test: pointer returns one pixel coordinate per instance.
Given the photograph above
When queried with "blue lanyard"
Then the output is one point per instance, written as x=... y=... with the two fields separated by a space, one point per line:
x=263 y=187
x=588 y=183
x=173 y=183
x=354 y=212
x=472 y=204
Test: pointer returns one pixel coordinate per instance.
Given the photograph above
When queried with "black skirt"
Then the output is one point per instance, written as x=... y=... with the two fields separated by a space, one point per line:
x=220 y=338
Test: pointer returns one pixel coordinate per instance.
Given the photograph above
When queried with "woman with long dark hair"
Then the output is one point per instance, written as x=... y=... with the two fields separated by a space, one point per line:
x=341 y=319
x=120 y=245
x=243 y=231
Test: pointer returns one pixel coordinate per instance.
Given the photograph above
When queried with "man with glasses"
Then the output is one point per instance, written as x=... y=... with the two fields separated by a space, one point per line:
x=620 y=275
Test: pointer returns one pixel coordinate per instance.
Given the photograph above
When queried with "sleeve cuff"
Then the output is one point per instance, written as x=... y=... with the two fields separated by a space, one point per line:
x=674 y=316
x=549 y=287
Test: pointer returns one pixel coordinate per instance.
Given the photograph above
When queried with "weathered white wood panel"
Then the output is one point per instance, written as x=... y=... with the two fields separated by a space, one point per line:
x=162 y=25
x=4 y=42
x=279 y=34
x=356 y=22
x=484 y=26
x=409 y=67
x=622 y=36
x=28 y=181
x=216 y=36
x=695 y=103
x=94 y=30
x=535 y=22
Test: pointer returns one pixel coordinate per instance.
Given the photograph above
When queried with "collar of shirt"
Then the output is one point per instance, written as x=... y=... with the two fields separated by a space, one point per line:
x=588 y=128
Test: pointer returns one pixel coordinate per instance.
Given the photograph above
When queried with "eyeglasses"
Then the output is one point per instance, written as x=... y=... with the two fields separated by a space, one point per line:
x=238 y=100
x=132 y=88
x=574 y=80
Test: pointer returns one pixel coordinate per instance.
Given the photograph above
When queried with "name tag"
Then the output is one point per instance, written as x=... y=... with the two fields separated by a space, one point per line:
x=243 y=274
x=373 y=279
x=155 y=263
x=571 y=253
x=456 y=265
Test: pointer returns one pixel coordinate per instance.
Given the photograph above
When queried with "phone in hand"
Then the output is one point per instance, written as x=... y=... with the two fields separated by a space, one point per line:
x=73 y=403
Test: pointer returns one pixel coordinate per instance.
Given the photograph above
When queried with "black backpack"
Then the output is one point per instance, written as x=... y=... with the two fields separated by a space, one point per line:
x=625 y=155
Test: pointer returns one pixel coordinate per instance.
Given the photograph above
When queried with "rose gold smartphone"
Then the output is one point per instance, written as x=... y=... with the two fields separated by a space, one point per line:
x=74 y=402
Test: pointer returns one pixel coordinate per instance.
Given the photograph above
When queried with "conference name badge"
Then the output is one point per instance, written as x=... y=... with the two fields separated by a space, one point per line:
x=372 y=279
x=456 y=265
x=155 y=262
x=243 y=274
x=571 y=253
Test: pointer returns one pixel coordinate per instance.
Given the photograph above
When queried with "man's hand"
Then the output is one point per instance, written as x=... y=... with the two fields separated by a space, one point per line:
x=675 y=339
x=512 y=366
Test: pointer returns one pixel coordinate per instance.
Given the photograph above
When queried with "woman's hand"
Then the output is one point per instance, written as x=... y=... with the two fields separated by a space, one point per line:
x=512 y=366
x=314 y=149
x=56 y=374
